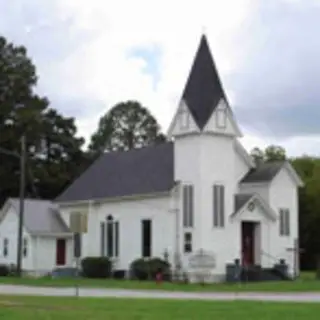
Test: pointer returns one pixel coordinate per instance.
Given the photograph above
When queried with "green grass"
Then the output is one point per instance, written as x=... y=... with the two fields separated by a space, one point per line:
x=44 y=308
x=306 y=283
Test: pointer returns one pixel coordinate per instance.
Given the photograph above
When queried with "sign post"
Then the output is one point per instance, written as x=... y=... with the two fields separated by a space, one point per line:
x=78 y=225
x=296 y=257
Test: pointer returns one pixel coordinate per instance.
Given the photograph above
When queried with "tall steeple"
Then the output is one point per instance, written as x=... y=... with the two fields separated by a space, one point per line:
x=203 y=89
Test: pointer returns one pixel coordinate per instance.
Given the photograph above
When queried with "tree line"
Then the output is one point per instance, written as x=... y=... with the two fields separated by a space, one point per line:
x=56 y=155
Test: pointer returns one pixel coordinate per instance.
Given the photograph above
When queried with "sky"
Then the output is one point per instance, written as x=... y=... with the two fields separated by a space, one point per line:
x=93 y=54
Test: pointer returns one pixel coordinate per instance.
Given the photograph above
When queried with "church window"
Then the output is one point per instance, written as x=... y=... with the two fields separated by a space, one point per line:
x=5 y=247
x=188 y=242
x=221 y=117
x=146 y=229
x=284 y=220
x=184 y=118
x=188 y=206
x=109 y=232
x=218 y=205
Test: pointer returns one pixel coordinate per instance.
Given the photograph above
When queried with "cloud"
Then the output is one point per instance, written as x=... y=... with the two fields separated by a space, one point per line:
x=91 y=55
x=280 y=69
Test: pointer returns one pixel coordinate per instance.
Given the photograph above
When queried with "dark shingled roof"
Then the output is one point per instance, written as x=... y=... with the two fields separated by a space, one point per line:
x=115 y=174
x=264 y=172
x=240 y=200
x=203 y=90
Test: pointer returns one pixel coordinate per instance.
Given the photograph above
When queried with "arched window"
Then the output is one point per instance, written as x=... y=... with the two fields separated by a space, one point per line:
x=110 y=237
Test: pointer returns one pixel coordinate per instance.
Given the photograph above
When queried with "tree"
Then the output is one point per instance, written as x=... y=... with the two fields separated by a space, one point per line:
x=309 y=208
x=274 y=153
x=54 y=162
x=258 y=155
x=127 y=125
x=24 y=112
x=271 y=153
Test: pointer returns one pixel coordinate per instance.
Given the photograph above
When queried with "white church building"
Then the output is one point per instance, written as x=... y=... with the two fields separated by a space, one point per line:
x=199 y=191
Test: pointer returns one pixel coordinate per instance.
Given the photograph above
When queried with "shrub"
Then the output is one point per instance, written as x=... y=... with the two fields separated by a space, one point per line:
x=146 y=269
x=4 y=270
x=13 y=269
x=96 y=267
x=119 y=274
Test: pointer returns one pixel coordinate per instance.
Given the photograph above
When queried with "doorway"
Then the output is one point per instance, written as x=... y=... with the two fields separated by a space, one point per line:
x=61 y=252
x=248 y=243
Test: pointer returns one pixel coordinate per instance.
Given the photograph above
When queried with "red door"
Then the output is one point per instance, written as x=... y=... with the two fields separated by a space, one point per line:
x=61 y=252
x=248 y=243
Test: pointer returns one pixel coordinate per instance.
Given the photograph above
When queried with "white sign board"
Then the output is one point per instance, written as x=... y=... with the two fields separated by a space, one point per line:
x=202 y=260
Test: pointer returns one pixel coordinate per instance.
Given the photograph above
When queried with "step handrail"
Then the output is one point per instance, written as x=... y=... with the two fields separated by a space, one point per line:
x=269 y=255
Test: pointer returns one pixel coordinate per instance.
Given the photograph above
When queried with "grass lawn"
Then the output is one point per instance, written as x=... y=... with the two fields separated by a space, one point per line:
x=40 y=308
x=306 y=283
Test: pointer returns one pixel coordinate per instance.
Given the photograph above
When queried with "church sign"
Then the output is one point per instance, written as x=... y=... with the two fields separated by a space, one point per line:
x=78 y=222
x=202 y=260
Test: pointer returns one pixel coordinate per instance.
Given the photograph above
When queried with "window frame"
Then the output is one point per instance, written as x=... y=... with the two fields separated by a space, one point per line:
x=223 y=113
x=284 y=222
x=25 y=247
x=146 y=251
x=218 y=205
x=110 y=225
x=187 y=242
x=5 y=247
x=188 y=205
x=184 y=118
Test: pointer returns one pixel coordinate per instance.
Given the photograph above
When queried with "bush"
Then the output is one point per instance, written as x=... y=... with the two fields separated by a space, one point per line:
x=96 y=267
x=119 y=274
x=4 y=270
x=13 y=269
x=146 y=269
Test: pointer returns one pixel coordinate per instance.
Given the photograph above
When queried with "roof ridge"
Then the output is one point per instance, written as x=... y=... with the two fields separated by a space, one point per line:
x=155 y=145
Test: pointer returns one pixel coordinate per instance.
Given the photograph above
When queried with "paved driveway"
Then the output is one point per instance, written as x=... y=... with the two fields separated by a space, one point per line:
x=151 y=294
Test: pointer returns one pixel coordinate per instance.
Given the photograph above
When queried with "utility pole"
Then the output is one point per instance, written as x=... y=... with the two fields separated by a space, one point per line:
x=21 y=207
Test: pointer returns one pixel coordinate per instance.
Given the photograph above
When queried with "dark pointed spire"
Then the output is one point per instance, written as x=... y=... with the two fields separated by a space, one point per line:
x=203 y=90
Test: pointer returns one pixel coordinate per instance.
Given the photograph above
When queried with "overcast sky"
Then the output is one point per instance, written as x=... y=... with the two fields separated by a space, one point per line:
x=93 y=54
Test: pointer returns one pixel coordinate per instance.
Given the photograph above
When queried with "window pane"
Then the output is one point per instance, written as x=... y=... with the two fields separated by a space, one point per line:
x=102 y=239
x=188 y=242
x=184 y=119
x=221 y=202
x=110 y=237
x=190 y=209
x=287 y=222
x=215 y=206
x=146 y=238
x=187 y=237
x=281 y=222
x=185 y=206
x=117 y=239
x=221 y=118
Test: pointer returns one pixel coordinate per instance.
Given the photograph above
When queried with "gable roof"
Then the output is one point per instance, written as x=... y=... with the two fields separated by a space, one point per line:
x=40 y=216
x=203 y=89
x=242 y=199
x=264 y=172
x=125 y=173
